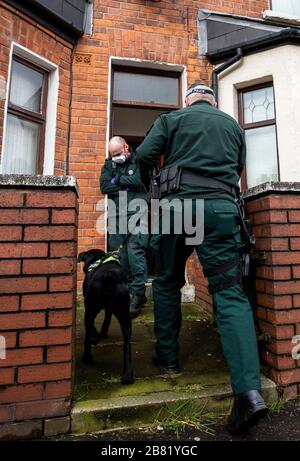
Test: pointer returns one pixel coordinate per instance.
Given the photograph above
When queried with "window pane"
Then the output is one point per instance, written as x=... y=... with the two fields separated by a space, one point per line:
x=291 y=7
x=26 y=87
x=21 y=146
x=259 y=105
x=133 y=122
x=261 y=160
x=145 y=88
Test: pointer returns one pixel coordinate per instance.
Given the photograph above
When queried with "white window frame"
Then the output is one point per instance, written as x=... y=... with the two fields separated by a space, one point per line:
x=52 y=100
x=280 y=16
x=134 y=62
x=256 y=125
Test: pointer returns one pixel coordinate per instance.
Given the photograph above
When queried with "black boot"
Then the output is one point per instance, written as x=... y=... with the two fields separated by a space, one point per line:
x=164 y=367
x=136 y=305
x=248 y=408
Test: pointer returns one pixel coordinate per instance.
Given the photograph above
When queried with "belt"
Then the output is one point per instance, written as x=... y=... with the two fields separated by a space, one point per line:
x=194 y=179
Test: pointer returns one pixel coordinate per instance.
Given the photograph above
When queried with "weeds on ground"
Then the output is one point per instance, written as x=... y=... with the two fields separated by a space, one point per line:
x=187 y=415
x=276 y=406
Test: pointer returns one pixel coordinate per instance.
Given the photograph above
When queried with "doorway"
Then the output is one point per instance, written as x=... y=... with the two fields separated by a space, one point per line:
x=138 y=96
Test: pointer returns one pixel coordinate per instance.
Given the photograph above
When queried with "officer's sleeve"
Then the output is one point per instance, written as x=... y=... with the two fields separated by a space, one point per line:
x=153 y=146
x=242 y=156
x=106 y=176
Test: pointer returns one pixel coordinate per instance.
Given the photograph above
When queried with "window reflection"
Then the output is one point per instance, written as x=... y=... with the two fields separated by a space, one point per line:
x=26 y=87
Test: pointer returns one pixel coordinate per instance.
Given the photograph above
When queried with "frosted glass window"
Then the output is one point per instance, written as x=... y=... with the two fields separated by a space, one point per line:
x=26 y=87
x=261 y=159
x=21 y=146
x=259 y=105
x=291 y=7
x=145 y=88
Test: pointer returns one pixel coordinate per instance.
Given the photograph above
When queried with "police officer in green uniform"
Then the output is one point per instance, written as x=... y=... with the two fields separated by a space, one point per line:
x=120 y=173
x=207 y=148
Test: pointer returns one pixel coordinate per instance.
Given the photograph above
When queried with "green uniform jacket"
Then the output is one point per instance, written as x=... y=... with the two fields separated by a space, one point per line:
x=127 y=179
x=199 y=138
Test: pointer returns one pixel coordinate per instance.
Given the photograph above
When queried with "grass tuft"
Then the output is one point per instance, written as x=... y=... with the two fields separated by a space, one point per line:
x=187 y=415
x=276 y=406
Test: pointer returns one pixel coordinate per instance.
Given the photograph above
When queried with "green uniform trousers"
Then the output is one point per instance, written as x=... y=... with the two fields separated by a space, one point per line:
x=233 y=312
x=132 y=259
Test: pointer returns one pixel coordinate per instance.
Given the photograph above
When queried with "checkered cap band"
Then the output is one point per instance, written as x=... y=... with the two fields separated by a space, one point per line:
x=199 y=89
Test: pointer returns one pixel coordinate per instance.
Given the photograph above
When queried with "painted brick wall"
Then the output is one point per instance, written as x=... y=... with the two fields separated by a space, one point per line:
x=38 y=235
x=16 y=27
x=164 y=31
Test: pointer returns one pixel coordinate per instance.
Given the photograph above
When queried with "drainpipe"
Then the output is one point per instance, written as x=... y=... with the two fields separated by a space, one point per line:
x=221 y=68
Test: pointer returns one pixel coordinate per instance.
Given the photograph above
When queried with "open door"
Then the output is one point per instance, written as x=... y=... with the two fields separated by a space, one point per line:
x=139 y=96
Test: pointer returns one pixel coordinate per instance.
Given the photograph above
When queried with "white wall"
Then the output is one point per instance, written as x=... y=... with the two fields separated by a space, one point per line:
x=281 y=65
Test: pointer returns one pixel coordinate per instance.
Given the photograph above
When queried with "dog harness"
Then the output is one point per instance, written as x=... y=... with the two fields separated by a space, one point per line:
x=108 y=258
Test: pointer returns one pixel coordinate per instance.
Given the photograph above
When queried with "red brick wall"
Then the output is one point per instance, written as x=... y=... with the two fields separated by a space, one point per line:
x=196 y=278
x=38 y=235
x=164 y=31
x=16 y=27
x=276 y=221
x=276 y=225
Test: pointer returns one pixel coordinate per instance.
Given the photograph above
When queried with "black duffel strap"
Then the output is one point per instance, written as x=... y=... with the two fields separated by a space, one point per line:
x=222 y=267
x=214 y=287
x=193 y=179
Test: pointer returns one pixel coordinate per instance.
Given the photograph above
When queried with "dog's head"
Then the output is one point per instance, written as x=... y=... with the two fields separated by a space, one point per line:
x=90 y=256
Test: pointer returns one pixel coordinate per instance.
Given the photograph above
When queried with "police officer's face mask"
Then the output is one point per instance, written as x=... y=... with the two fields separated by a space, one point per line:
x=121 y=158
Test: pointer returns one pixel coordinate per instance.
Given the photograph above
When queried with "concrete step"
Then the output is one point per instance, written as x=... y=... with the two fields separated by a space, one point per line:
x=102 y=403
x=146 y=410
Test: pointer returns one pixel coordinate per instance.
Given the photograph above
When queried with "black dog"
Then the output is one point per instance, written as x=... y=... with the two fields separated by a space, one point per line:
x=104 y=287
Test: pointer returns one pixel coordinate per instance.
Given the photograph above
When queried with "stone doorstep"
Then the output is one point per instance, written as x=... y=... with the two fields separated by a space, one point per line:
x=56 y=426
x=121 y=413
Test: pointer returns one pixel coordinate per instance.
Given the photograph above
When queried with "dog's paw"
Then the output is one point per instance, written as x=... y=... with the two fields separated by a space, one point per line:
x=103 y=335
x=127 y=379
x=88 y=359
x=95 y=340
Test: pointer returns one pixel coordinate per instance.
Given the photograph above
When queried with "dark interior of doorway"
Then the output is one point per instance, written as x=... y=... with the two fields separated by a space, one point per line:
x=134 y=142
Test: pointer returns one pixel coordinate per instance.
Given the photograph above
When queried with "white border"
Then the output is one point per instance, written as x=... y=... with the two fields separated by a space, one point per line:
x=53 y=84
